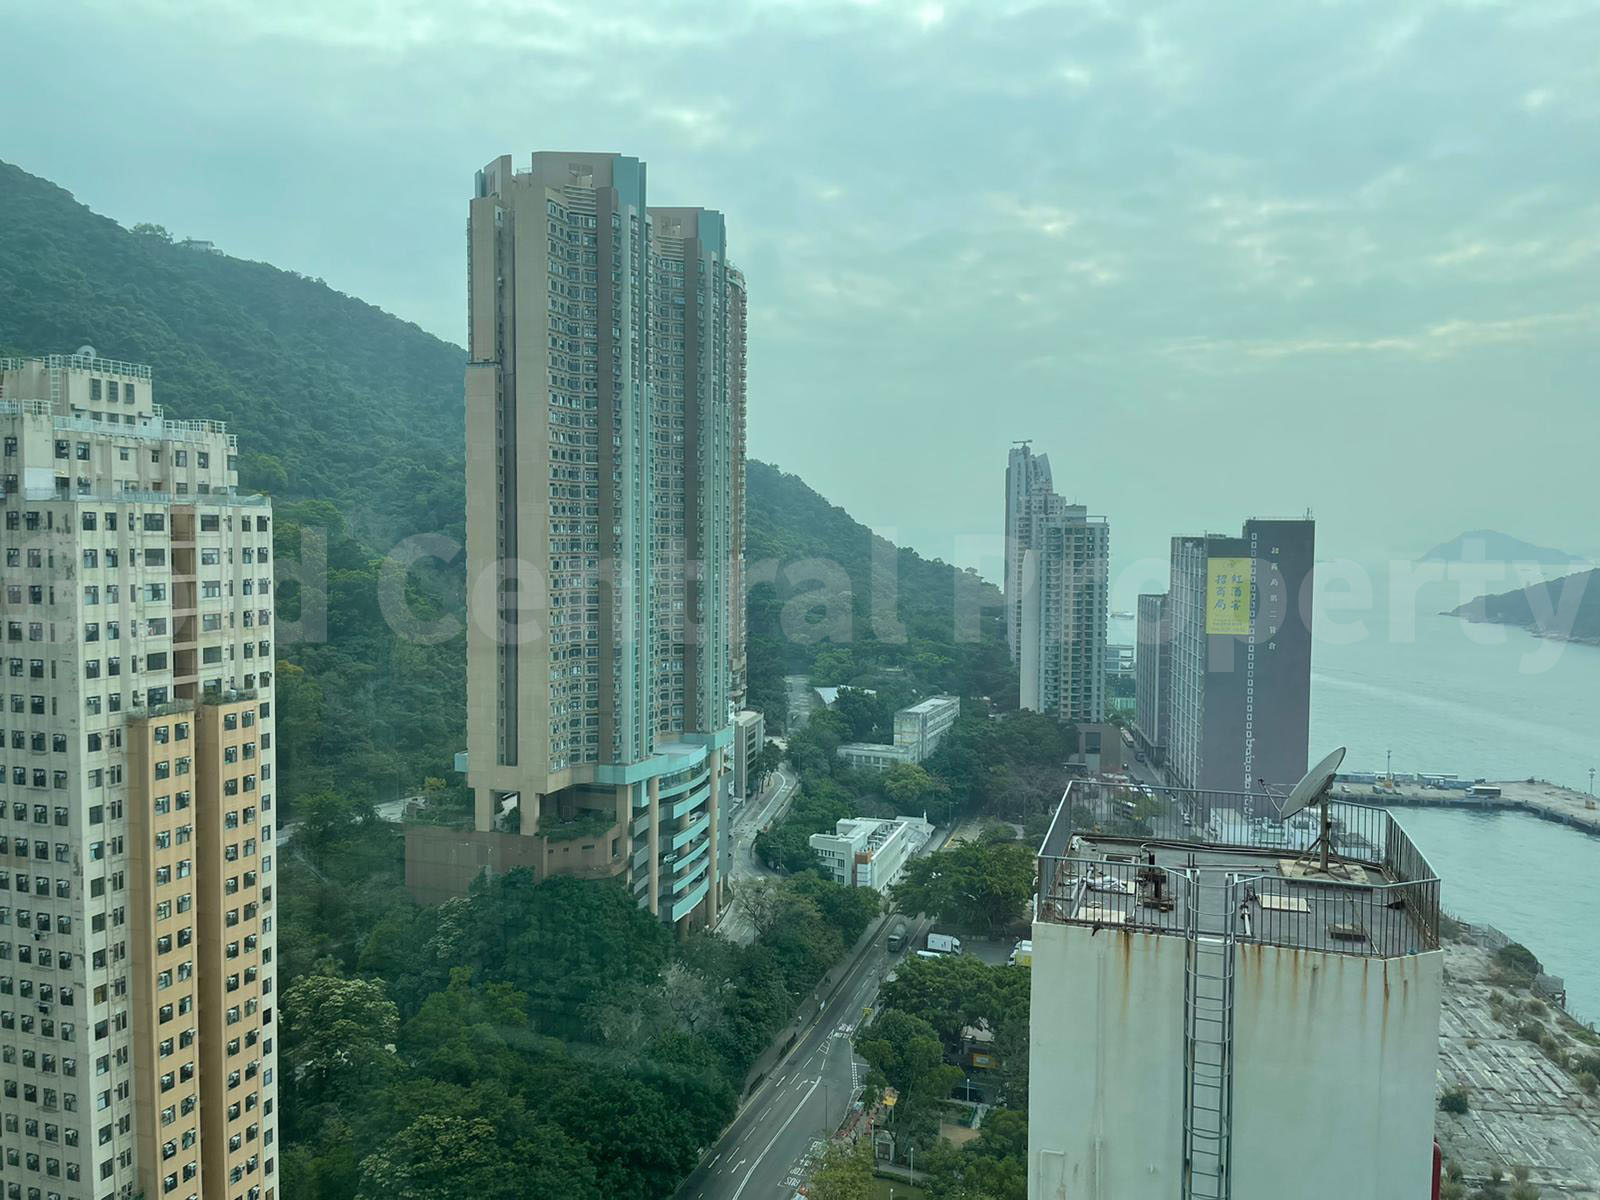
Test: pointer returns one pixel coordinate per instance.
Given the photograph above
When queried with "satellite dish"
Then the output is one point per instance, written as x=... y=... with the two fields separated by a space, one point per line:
x=1310 y=789
x=1314 y=789
x=85 y=352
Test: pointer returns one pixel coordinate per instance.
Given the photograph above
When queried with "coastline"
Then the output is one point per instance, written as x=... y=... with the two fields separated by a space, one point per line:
x=1532 y=629
x=1516 y=1058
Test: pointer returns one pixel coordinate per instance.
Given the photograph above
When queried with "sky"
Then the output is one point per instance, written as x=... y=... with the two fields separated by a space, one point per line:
x=1218 y=260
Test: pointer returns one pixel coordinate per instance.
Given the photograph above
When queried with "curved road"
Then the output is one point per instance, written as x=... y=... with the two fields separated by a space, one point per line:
x=752 y=817
x=762 y=1154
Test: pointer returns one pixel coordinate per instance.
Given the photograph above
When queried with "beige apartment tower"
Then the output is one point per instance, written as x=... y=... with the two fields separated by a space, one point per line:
x=136 y=926
x=604 y=468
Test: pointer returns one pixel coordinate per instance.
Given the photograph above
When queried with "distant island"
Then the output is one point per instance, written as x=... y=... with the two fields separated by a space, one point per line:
x=1519 y=608
x=1488 y=545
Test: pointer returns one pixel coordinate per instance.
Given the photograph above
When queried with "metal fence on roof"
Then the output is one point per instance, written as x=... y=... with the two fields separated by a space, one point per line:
x=1391 y=910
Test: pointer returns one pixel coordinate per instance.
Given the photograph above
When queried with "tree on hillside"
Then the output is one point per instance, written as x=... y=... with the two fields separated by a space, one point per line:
x=843 y=1173
x=337 y=1033
x=982 y=885
x=767 y=760
x=465 y=1034
x=763 y=903
x=908 y=785
x=449 y=1157
x=949 y=993
x=907 y=1050
x=863 y=715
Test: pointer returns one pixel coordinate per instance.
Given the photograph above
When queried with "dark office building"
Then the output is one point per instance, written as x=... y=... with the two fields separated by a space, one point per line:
x=1240 y=654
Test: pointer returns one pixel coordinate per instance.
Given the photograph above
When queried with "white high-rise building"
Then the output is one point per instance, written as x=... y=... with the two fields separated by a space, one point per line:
x=136 y=813
x=1065 y=607
x=1028 y=492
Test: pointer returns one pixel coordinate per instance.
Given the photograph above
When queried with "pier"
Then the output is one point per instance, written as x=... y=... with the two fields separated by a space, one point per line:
x=1547 y=801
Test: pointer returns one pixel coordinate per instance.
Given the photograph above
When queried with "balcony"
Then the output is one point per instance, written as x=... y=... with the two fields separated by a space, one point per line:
x=684 y=836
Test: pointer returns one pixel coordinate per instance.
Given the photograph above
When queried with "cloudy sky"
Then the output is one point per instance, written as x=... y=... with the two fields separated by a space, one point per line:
x=1217 y=259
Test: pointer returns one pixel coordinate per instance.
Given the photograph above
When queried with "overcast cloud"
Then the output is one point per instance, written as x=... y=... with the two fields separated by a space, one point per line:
x=1217 y=259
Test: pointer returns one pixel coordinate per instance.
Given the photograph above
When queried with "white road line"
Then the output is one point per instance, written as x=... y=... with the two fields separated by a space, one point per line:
x=742 y=1183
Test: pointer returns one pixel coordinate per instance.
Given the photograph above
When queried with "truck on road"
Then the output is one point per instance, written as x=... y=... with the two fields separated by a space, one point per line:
x=897 y=937
x=944 y=943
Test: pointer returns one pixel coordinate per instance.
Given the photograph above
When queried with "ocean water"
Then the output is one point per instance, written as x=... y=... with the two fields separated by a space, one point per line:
x=1534 y=880
x=1390 y=674
x=1483 y=701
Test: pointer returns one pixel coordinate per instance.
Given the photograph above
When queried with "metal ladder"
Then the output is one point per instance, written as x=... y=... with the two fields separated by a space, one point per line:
x=1208 y=1037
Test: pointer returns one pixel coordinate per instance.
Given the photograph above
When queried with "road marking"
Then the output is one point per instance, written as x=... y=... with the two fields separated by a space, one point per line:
x=713 y=1161
x=739 y=1191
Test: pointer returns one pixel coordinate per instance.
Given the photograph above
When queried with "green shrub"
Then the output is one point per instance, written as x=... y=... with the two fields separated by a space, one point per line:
x=1518 y=959
x=1454 y=1100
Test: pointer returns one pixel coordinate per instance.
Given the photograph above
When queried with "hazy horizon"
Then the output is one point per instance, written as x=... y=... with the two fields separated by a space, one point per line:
x=1217 y=263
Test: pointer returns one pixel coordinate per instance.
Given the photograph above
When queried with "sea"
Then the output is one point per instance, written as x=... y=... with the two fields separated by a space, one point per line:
x=1397 y=682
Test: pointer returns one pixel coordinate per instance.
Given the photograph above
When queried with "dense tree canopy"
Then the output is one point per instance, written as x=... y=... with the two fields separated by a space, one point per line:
x=915 y=1041
x=980 y=885
x=548 y=1034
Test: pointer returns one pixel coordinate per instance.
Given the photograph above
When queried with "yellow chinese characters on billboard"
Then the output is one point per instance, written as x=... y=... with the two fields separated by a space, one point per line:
x=1228 y=595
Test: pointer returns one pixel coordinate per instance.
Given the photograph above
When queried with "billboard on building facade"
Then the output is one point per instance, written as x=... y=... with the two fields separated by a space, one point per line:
x=1228 y=595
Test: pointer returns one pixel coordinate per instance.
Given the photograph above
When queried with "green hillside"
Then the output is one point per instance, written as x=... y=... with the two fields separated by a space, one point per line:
x=1567 y=608
x=350 y=417
x=332 y=398
x=813 y=574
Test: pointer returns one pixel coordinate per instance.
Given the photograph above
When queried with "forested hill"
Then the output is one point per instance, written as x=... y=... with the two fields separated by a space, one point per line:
x=1567 y=608
x=351 y=418
x=815 y=576
x=332 y=398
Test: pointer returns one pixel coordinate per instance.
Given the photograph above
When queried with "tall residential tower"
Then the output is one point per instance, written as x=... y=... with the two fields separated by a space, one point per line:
x=603 y=524
x=1028 y=491
x=1065 y=606
x=136 y=813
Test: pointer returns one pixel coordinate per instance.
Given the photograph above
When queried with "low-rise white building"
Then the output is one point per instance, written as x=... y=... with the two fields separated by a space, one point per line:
x=749 y=736
x=921 y=727
x=917 y=733
x=870 y=851
x=873 y=756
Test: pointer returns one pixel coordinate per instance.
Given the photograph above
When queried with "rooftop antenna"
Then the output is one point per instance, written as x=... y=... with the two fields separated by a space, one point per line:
x=1316 y=788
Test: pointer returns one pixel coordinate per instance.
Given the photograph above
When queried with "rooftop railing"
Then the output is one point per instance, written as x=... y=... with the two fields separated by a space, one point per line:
x=199 y=499
x=1390 y=908
x=33 y=408
x=100 y=366
x=158 y=428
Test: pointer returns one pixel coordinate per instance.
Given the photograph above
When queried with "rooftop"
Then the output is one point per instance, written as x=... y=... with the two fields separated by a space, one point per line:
x=931 y=704
x=1183 y=862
